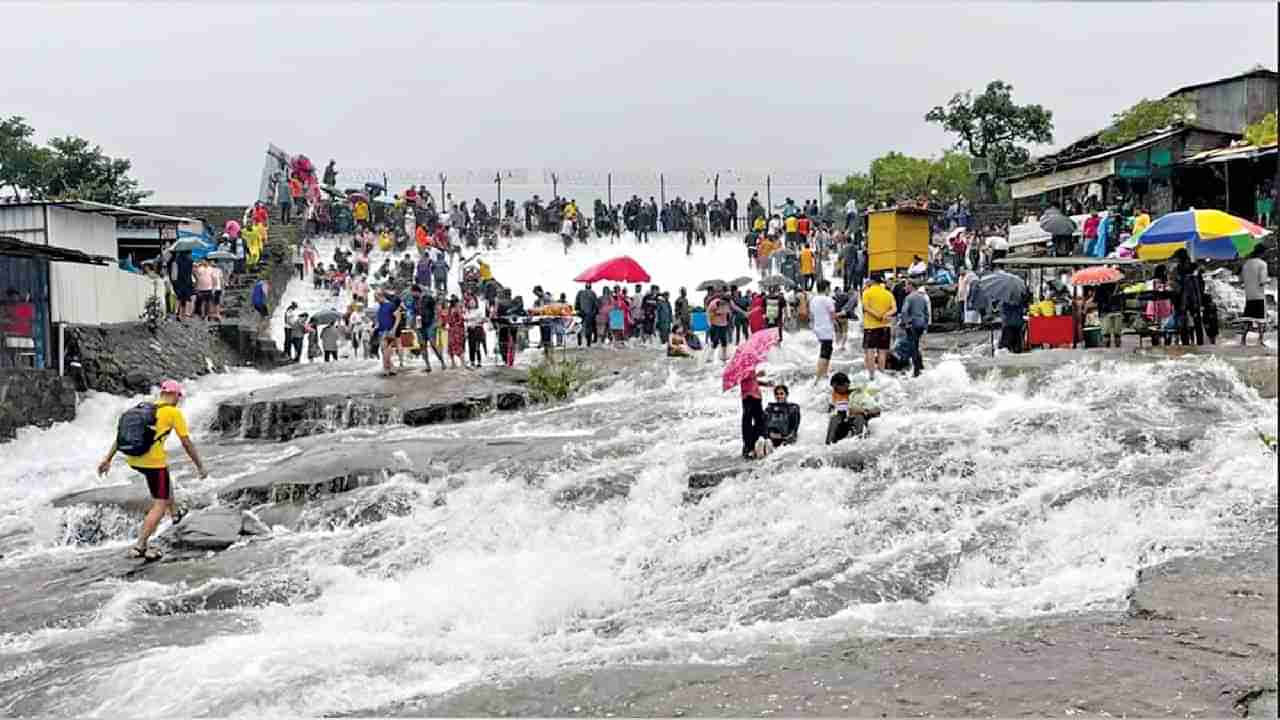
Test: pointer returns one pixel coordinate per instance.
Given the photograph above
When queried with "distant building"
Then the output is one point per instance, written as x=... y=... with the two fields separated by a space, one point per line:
x=1229 y=104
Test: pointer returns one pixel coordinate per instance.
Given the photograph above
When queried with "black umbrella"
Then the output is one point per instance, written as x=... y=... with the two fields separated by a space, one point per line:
x=710 y=284
x=325 y=317
x=1002 y=287
x=773 y=280
x=1055 y=223
x=741 y=281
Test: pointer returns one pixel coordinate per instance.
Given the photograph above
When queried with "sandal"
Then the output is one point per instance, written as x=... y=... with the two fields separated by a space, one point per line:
x=140 y=553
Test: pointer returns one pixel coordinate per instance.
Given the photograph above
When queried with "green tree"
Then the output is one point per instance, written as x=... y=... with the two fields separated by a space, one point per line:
x=991 y=126
x=67 y=168
x=1144 y=117
x=76 y=169
x=20 y=159
x=1262 y=132
x=895 y=176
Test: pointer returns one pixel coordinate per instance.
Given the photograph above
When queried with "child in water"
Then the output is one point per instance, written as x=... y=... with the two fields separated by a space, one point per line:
x=846 y=419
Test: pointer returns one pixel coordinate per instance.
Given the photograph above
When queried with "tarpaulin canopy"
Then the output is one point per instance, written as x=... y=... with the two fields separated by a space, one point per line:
x=619 y=269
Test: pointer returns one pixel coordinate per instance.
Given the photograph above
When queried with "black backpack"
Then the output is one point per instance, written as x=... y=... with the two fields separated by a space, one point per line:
x=136 y=432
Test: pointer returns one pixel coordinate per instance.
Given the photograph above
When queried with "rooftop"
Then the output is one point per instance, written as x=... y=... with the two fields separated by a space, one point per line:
x=115 y=211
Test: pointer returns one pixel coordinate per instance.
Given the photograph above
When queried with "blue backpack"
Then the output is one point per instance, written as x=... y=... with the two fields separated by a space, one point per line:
x=136 y=431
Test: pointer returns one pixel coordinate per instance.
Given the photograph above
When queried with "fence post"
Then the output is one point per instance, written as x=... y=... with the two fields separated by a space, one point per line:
x=768 y=195
x=498 y=179
x=662 y=189
x=555 y=184
x=610 y=189
x=443 y=209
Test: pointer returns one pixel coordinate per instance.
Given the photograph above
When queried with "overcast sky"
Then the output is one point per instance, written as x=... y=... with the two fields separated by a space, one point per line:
x=192 y=93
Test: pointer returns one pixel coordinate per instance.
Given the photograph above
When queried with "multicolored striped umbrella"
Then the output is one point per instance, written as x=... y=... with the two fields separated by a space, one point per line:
x=1206 y=235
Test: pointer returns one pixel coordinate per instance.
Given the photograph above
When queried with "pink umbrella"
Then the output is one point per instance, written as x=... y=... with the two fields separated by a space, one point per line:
x=750 y=354
x=232 y=229
x=619 y=269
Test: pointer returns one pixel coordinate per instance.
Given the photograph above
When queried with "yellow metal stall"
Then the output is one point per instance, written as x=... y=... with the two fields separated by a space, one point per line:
x=895 y=237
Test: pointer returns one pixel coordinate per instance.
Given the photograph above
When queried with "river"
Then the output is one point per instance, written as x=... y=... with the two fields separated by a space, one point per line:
x=985 y=500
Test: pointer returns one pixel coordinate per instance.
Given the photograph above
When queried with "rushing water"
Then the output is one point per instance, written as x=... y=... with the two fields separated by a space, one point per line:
x=983 y=500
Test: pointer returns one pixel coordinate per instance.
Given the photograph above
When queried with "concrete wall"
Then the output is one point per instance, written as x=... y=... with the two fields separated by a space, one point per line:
x=216 y=215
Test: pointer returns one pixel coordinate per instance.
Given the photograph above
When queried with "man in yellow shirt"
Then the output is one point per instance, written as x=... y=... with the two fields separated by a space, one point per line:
x=792 y=228
x=878 y=309
x=758 y=226
x=764 y=250
x=153 y=462
x=1141 y=222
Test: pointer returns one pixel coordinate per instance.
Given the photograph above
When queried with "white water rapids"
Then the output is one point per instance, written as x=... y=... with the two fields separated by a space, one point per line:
x=986 y=500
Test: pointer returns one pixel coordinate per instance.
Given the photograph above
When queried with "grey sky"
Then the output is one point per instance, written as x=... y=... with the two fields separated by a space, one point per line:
x=192 y=93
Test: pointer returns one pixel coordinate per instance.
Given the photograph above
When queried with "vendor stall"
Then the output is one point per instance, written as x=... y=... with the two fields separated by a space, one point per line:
x=1050 y=321
x=895 y=237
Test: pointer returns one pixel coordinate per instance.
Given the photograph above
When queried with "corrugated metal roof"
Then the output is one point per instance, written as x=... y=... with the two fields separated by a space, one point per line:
x=1256 y=72
x=1074 y=261
x=17 y=248
x=1238 y=152
x=89 y=206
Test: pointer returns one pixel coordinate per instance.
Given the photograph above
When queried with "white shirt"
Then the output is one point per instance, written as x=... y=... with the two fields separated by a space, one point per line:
x=775 y=226
x=1254 y=277
x=566 y=228
x=851 y=206
x=822 y=310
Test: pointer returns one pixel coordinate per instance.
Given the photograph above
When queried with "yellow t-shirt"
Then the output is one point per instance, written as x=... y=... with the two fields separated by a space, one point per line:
x=485 y=272
x=791 y=224
x=361 y=211
x=758 y=225
x=806 y=262
x=879 y=301
x=765 y=248
x=168 y=418
x=1140 y=223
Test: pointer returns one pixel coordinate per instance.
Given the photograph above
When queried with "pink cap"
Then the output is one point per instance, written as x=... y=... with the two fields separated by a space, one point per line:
x=171 y=386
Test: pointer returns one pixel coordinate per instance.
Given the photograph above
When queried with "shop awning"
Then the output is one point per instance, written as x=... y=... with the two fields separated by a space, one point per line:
x=1227 y=154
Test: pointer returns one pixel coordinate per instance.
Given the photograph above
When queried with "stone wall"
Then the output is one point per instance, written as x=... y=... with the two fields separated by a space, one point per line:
x=216 y=215
x=128 y=358
x=34 y=397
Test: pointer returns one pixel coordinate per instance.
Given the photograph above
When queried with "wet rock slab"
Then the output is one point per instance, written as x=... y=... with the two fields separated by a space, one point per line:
x=335 y=396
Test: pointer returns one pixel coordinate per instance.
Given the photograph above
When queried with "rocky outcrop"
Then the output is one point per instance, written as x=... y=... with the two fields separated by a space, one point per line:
x=34 y=397
x=216 y=529
x=132 y=498
x=327 y=397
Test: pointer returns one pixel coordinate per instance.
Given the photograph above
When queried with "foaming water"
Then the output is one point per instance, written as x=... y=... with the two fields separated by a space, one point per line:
x=978 y=501
x=42 y=464
x=981 y=501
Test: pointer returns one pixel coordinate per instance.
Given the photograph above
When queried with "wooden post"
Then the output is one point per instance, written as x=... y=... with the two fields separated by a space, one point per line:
x=609 y=180
x=662 y=189
x=768 y=195
x=819 y=194
x=498 y=179
x=716 y=189
x=555 y=184
x=443 y=209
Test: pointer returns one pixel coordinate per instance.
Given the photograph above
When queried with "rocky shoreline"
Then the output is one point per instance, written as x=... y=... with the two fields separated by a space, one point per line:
x=1198 y=640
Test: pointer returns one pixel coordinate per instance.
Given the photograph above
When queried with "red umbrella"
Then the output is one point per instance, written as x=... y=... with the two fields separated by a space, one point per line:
x=1096 y=276
x=619 y=269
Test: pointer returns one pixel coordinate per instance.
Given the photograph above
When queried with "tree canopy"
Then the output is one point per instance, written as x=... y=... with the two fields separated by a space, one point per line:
x=1262 y=132
x=67 y=168
x=1144 y=117
x=991 y=127
x=895 y=176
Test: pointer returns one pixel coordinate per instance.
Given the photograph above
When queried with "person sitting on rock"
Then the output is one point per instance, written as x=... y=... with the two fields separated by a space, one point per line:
x=846 y=419
x=782 y=418
x=678 y=346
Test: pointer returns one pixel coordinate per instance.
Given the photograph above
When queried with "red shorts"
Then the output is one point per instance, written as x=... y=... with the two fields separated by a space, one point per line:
x=158 y=482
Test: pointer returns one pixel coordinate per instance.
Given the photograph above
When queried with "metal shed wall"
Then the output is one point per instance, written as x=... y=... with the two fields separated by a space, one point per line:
x=24 y=222
x=87 y=232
